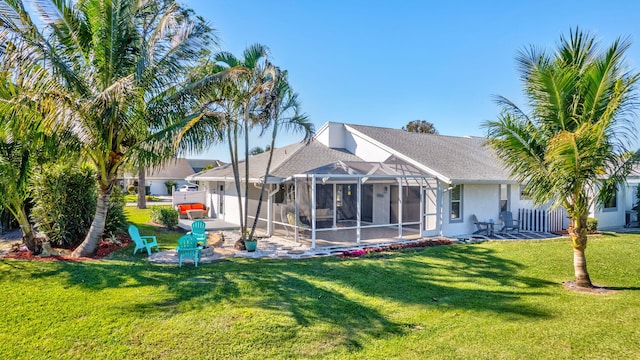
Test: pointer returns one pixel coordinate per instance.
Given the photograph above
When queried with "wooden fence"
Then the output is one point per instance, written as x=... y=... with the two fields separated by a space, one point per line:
x=542 y=220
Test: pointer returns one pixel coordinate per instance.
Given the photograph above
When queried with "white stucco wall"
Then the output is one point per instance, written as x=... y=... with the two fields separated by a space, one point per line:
x=483 y=200
x=157 y=187
x=231 y=207
x=364 y=149
x=332 y=135
x=608 y=218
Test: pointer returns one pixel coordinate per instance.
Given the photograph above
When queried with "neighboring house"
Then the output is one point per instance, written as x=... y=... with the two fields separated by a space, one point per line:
x=354 y=176
x=200 y=164
x=175 y=170
x=624 y=205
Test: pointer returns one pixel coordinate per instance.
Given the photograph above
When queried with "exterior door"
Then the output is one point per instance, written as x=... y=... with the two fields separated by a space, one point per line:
x=366 y=203
x=430 y=201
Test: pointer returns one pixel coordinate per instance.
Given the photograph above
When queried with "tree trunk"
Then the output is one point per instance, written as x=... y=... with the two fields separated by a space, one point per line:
x=142 y=188
x=91 y=242
x=274 y=133
x=28 y=235
x=578 y=234
x=246 y=176
x=580 y=269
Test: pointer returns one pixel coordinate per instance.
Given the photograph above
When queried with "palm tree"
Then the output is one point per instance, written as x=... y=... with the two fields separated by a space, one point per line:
x=105 y=55
x=283 y=112
x=252 y=94
x=243 y=105
x=571 y=148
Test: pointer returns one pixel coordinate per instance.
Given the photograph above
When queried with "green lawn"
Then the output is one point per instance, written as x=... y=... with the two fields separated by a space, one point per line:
x=487 y=301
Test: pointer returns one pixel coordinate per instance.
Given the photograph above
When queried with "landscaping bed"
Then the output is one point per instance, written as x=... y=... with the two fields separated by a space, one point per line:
x=104 y=249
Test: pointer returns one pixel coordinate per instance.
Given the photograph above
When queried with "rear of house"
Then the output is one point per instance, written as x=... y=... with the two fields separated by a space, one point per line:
x=354 y=179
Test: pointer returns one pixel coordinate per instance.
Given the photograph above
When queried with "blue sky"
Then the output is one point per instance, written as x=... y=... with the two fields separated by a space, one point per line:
x=385 y=63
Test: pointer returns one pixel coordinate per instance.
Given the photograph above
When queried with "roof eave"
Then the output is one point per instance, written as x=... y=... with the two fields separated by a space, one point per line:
x=484 y=181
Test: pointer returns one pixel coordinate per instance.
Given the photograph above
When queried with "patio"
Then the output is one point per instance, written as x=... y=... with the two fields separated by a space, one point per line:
x=211 y=225
x=330 y=242
x=522 y=235
x=274 y=247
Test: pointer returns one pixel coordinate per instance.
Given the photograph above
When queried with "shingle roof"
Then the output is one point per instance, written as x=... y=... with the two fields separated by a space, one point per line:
x=288 y=160
x=460 y=159
x=312 y=156
x=171 y=169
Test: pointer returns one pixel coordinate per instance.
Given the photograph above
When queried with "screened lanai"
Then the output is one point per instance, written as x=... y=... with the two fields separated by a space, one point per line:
x=349 y=202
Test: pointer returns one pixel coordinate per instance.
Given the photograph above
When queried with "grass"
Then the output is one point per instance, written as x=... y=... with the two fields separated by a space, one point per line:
x=134 y=198
x=485 y=301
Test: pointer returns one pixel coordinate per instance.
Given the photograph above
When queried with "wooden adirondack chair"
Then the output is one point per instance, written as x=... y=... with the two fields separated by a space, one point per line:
x=509 y=223
x=188 y=249
x=198 y=231
x=142 y=242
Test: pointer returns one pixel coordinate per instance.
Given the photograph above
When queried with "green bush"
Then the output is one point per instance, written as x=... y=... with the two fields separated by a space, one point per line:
x=170 y=185
x=116 y=220
x=165 y=215
x=64 y=203
x=132 y=189
x=592 y=224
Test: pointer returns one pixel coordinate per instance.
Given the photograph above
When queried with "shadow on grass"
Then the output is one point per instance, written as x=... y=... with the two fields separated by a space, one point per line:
x=322 y=291
x=453 y=277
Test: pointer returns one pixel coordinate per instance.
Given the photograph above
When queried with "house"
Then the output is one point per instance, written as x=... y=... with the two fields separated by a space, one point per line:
x=174 y=170
x=623 y=205
x=356 y=177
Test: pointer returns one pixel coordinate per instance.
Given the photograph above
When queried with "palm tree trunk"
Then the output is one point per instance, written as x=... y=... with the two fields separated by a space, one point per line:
x=274 y=133
x=233 y=151
x=91 y=242
x=580 y=269
x=28 y=235
x=142 y=189
x=246 y=173
x=578 y=233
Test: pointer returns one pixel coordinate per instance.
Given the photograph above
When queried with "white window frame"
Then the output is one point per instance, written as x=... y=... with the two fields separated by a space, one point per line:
x=508 y=199
x=460 y=201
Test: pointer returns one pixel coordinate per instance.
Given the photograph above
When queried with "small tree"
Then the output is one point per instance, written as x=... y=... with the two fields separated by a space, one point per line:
x=420 y=126
x=170 y=186
x=581 y=99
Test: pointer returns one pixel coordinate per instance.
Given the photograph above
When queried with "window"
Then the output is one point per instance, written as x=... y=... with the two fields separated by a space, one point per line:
x=504 y=197
x=455 y=198
x=611 y=204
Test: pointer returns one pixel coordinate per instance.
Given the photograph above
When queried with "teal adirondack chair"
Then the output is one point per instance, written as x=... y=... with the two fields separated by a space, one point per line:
x=198 y=231
x=188 y=249
x=142 y=242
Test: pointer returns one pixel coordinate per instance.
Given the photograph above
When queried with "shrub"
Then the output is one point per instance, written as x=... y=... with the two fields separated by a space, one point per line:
x=64 y=203
x=116 y=220
x=170 y=185
x=132 y=189
x=592 y=225
x=165 y=215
